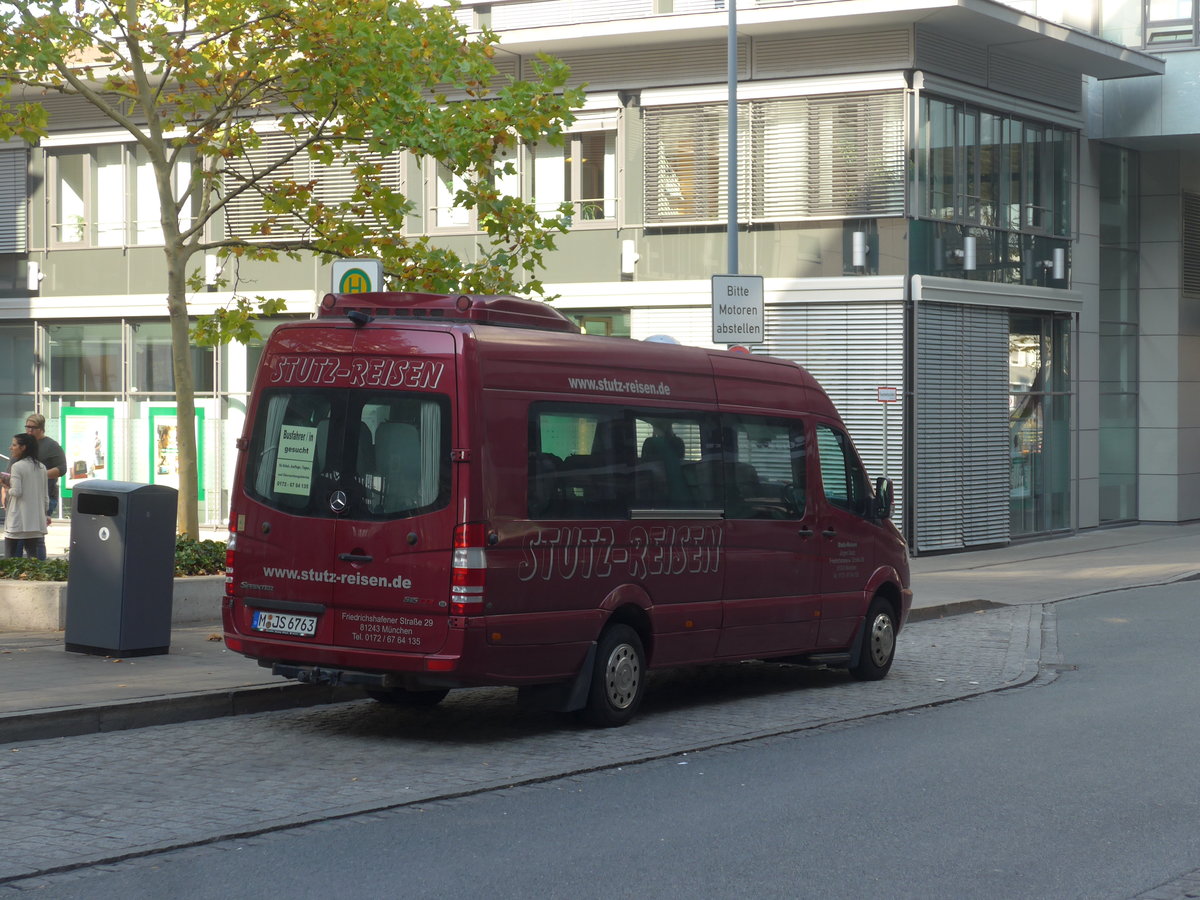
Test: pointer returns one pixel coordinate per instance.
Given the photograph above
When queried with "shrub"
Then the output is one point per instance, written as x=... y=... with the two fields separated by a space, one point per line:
x=199 y=557
x=24 y=569
x=191 y=558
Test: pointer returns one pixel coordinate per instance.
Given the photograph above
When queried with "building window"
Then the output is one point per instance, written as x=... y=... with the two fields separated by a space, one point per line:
x=581 y=172
x=976 y=167
x=1170 y=23
x=992 y=196
x=106 y=196
x=18 y=374
x=153 y=369
x=802 y=158
x=85 y=358
x=607 y=322
x=1039 y=423
x=445 y=187
x=275 y=160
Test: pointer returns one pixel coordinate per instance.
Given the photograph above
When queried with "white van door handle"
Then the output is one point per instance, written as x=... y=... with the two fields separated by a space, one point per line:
x=805 y=532
x=829 y=532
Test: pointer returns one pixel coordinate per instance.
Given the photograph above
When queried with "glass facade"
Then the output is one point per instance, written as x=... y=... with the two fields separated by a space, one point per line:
x=1039 y=423
x=1119 y=323
x=107 y=391
x=17 y=374
x=992 y=195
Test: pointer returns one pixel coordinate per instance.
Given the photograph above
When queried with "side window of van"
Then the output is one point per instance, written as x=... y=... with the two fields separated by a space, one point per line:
x=763 y=468
x=670 y=447
x=579 y=462
x=842 y=476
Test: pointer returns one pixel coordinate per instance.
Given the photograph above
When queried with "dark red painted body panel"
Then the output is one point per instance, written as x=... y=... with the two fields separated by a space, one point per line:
x=703 y=588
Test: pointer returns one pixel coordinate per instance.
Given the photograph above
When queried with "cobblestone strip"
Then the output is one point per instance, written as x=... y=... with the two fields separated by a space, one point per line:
x=84 y=800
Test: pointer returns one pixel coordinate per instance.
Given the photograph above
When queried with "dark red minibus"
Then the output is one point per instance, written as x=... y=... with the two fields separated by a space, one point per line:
x=447 y=491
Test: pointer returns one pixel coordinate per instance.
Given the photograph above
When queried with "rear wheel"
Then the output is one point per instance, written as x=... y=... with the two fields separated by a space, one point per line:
x=878 y=647
x=401 y=697
x=618 y=678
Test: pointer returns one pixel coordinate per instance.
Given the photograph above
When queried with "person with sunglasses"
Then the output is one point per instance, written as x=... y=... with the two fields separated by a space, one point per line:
x=51 y=454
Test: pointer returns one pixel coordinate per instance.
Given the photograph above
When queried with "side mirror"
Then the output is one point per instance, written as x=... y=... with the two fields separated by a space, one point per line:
x=884 y=497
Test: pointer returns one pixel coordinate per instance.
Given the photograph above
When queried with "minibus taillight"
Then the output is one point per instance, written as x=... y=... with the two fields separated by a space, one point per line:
x=229 y=548
x=468 y=570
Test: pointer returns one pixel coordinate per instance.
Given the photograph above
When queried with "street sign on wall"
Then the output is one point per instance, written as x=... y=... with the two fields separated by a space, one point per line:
x=737 y=309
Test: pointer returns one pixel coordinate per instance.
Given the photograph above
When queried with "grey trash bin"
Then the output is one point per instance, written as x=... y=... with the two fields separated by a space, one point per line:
x=122 y=568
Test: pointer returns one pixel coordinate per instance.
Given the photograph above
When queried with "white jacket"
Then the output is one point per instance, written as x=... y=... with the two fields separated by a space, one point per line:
x=25 y=512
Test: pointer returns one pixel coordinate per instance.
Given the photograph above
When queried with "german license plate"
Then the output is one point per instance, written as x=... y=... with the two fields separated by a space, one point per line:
x=285 y=623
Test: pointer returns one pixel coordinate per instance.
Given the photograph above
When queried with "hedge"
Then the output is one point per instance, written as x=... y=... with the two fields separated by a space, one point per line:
x=191 y=558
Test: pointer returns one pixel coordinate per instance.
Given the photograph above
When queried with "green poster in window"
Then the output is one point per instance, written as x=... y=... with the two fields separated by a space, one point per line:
x=164 y=448
x=87 y=440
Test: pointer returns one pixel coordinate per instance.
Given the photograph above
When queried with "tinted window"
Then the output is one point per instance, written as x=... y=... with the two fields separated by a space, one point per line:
x=579 y=462
x=385 y=451
x=596 y=462
x=842 y=476
x=764 y=471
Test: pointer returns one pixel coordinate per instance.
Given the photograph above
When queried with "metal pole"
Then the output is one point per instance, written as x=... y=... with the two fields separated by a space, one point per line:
x=732 y=220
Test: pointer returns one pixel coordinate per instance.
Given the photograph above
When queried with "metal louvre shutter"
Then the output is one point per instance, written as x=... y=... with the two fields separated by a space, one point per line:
x=824 y=54
x=1191 y=244
x=857 y=163
x=14 y=195
x=824 y=156
x=335 y=184
x=962 y=439
x=697 y=63
x=688 y=325
x=565 y=12
x=851 y=349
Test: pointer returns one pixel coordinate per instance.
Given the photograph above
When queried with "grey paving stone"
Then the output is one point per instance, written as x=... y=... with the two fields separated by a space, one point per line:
x=87 y=799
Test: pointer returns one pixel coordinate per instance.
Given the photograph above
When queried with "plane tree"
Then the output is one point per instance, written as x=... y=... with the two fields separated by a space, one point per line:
x=345 y=88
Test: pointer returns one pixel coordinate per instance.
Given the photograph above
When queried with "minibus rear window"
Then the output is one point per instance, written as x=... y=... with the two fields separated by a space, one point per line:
x=356 y=454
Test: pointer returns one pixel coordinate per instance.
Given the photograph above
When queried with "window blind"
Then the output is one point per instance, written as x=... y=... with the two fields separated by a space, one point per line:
x=824 y=156
x=14 y=197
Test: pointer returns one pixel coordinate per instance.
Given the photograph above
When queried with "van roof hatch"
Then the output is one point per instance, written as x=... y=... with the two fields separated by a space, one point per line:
x=483 y=309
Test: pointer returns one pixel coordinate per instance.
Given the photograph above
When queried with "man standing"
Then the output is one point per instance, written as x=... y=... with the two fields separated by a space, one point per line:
x=50 y=452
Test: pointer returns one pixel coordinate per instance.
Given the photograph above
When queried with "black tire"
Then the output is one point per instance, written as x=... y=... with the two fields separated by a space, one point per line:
x=877 y=646
x=411 y=699
x=618 y=678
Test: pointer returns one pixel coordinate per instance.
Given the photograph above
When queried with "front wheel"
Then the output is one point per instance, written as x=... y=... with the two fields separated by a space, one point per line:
x=618 y=678
x=878 y=647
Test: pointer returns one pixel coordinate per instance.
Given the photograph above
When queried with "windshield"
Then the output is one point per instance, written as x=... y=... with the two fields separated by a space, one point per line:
x=385 y=451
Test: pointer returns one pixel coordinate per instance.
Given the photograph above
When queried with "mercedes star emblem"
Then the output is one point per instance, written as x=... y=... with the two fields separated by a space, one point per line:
x=338 y=501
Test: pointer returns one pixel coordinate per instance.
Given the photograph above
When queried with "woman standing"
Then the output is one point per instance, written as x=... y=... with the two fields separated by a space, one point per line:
x=25 y=521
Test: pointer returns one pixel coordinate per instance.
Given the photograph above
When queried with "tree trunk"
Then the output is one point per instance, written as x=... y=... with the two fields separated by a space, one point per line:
x=188 y=518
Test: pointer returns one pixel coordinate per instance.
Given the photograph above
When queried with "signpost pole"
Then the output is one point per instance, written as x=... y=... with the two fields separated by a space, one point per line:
x=732 y=204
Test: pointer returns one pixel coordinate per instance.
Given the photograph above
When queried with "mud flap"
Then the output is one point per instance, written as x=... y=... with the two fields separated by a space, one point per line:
x=562 y=696
x=856 y=648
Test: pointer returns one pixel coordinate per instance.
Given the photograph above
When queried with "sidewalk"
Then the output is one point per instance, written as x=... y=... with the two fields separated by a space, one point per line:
x=48 y=692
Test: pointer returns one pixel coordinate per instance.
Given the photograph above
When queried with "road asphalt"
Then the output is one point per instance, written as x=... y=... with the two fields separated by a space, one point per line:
x=47 y=691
